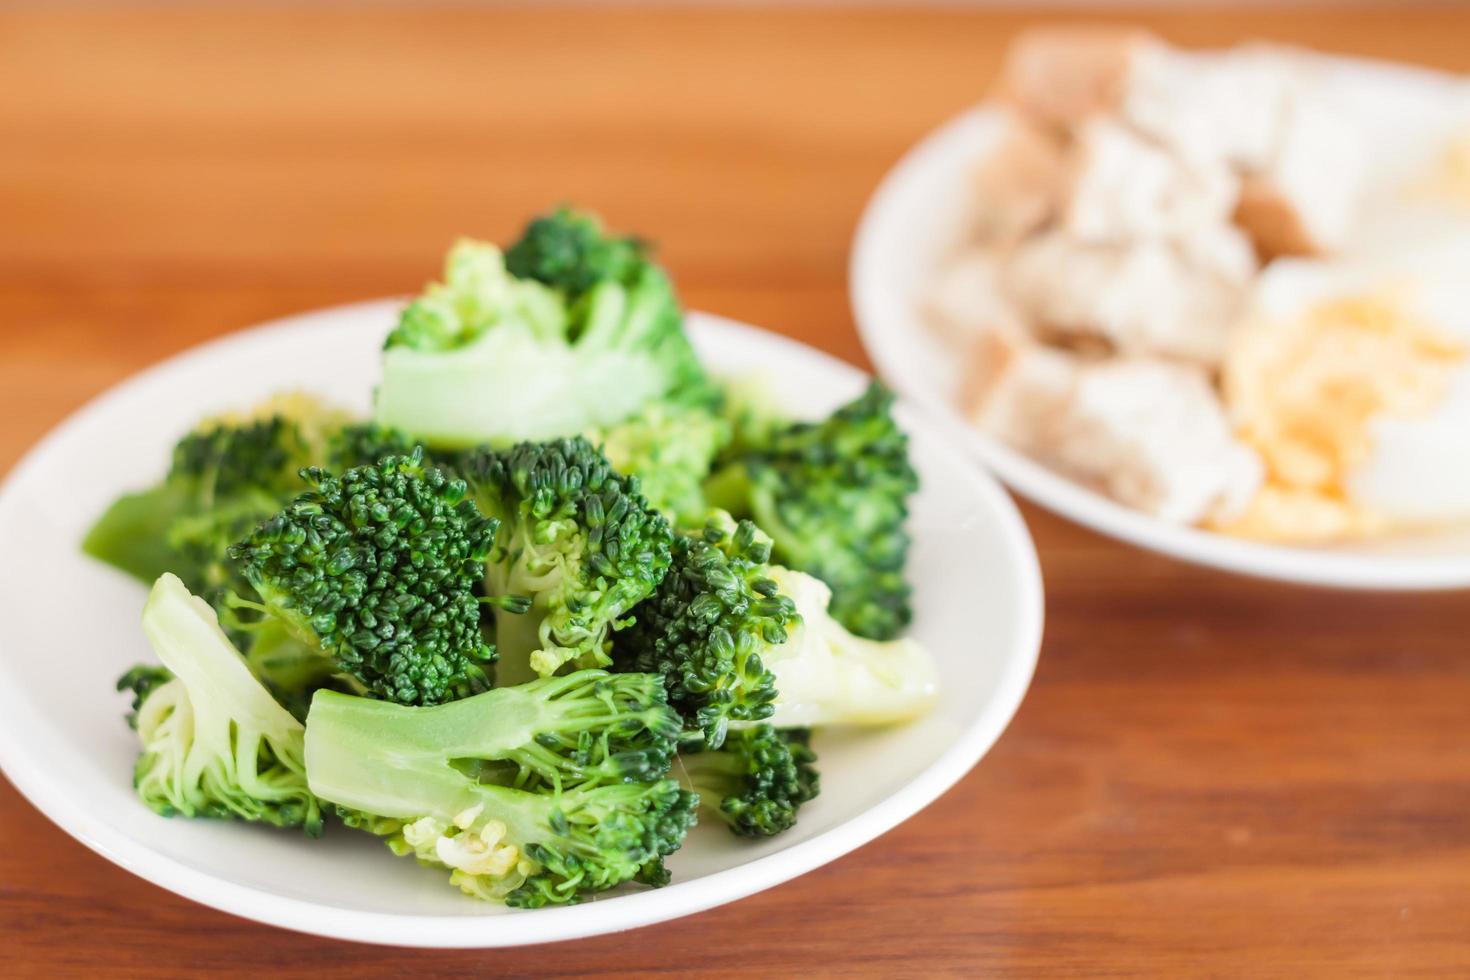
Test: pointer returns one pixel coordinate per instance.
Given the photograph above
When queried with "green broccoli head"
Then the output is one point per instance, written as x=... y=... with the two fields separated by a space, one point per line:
x=361 y=444
x=833 y=495
x=215 y=743
x=581 y=332
x=223 y=460
x=375 y=570
x=542 y=793
x=570 y=251
x=671 y=448
x=757 y=780
x=707 y=629
x=575 y=537
x=227 y=475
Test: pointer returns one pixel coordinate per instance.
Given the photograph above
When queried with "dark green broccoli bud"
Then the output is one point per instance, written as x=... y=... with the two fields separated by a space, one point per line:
x=362 y=444
x=225 y=475
x=375 y=570
x=491 y=357
x=757 y=780
x=140 y=680
x=215 y=743
x=223 y=460
x=833 y=495
x=542 y=793
x=570 y=251
x=715 y=615
x=575 y=537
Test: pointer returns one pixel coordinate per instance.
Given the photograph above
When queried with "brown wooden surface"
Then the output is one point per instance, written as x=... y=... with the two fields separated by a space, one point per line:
x=1210 y=776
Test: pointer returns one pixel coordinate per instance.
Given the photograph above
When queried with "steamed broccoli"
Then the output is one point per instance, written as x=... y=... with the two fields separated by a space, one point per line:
x=215 y=744
x=229 y=474
x=708 y=626
x=544 y=793
x=757 y=780
x=577 y=539
x=570 y=251
x=825 y=675
x=362 y=444
x=671 y=448
x=372 y=574
x=581 y=332
x=225 y=475
x=739 y=640
x=833 y=495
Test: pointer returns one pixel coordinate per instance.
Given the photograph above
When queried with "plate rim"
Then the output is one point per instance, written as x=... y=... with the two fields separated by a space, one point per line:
x=972 y=742
x=1064 y=496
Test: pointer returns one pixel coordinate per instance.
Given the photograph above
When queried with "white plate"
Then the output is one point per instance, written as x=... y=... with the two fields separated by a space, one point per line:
x=69 y=627
x=915 y=218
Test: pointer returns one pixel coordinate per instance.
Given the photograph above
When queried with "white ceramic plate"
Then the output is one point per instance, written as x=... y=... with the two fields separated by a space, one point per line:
x=69 y=626
x=916 y=217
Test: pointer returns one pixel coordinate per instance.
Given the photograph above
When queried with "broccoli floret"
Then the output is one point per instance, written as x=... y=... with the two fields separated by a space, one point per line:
x=226 y=474
x=570 y=251
x=670 y=448
x=833 y=495
x=374 y=571
x=543 y=793
x=576 y=538
x=757 y=780
x=706 y=629
x=490 y=358
x=362 y=444
x=739 y=640
x=215 y=743
x=229 y=474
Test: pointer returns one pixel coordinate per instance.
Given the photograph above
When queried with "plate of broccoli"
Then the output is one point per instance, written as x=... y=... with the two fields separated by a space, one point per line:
x=529 y=608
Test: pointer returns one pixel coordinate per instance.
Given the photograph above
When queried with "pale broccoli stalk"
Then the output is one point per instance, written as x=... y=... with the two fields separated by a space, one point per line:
x=825 y=675
x=543 y=793
x=215 y=743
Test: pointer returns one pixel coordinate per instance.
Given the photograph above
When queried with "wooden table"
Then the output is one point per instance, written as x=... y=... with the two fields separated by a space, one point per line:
x=1209 y=776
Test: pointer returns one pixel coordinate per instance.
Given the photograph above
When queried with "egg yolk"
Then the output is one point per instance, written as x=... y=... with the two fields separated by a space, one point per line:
x=1304 y=394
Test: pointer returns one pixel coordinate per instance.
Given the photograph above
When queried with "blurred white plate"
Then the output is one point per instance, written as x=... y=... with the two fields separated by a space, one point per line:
x=69 y=627
x=917 y=216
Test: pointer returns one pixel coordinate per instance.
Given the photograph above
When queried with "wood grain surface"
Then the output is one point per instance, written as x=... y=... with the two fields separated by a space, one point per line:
x=1210 y=776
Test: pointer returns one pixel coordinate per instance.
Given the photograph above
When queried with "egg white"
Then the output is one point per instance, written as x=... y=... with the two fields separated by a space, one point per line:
x=1419 y=470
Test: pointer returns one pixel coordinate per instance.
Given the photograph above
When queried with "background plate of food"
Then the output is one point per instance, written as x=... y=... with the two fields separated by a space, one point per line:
x=1212 y=304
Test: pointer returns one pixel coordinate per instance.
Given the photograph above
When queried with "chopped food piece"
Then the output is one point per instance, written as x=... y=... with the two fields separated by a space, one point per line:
x=1145 y=298
x=1122 y=188
x=1303 y=200
x=967 y=299
x=1226 y=107
x=1150 y=433
x=1063 y=76
x=1019 y=188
